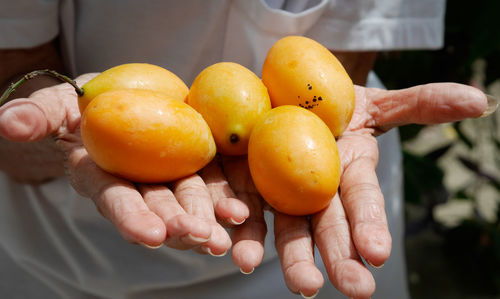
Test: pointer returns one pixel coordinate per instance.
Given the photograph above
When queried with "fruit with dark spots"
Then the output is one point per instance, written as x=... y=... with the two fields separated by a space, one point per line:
x=317 y=70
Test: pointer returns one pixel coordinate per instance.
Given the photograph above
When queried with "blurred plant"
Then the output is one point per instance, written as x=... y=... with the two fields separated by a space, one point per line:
x=471 y=55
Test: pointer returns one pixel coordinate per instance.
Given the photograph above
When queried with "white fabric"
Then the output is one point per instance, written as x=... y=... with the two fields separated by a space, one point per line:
x=59 y=238
x=26 y=24
x=381 y=25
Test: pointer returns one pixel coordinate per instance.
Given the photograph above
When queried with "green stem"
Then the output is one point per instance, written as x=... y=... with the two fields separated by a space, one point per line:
x=32 y=75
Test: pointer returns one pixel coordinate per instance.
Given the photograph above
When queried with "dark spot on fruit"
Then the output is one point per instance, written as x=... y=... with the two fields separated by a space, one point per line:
x=292 y=64
x=309 y=104
x=234 y=138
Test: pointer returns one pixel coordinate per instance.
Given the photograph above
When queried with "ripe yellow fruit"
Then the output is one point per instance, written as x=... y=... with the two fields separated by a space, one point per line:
x=231 y=99
x=145 y=136
x=294 y=160
x=300 y=71
x=134 y=75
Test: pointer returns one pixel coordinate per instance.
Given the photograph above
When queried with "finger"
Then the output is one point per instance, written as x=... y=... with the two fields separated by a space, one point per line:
x=363 y=201
x=345 y=269
x=42 y=114
x=228 y=209
x=193 y=196
x=248 y=238
x=295 y=249
x=48 y=111
x=118 y=200
x=424 y=104
x=184 y=231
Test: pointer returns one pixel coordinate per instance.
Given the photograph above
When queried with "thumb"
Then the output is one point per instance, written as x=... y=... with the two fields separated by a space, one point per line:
x=42 y=114
x=48 y=111
x=424 y=104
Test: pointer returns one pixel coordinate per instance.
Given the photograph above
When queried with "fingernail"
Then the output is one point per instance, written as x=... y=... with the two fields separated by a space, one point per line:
x=150 y=246
x=209 y=251
x=376 y=267
x=247 y=273
x=492 y=105
x=234 y=222
x=309 y=297
x=189 y=238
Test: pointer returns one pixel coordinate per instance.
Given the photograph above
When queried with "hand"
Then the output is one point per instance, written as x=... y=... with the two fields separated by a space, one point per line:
x=44 y=128
x=359 y=211
x=354 y=225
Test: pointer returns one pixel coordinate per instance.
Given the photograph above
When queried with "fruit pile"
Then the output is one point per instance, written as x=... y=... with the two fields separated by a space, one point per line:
x=141 y=122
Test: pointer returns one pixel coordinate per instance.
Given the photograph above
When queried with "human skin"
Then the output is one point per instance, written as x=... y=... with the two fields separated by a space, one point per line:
x=188 y=213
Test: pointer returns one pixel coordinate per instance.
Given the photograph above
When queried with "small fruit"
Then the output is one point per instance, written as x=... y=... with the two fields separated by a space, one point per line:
x=300 y=71
x=134 y=75
x=145 y=136
x=231 y=98
x=294 y=160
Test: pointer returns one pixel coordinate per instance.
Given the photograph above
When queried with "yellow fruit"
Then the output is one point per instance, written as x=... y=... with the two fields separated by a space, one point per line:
x=231 y=99
x=294 y=160
x=134 y=75
x=300 y=71
x=145 y=136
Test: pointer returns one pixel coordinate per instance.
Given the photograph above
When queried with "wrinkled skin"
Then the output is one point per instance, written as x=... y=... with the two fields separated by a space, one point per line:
x=191 y=213
x=354 y=224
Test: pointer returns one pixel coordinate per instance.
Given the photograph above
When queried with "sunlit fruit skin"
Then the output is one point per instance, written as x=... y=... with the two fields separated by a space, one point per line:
x=231 y=98
x=300 y=71
x=134 y=75
x=145 y=136
x=294 y=160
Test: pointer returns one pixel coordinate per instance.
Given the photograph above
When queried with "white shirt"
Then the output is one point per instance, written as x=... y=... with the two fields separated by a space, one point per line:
x=57 y=236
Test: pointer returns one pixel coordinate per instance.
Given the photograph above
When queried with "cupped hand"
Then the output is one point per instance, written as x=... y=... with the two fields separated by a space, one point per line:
x=182 y=214
x=354 y=225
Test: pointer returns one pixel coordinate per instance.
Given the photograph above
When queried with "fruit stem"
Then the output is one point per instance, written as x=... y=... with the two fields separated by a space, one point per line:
x=33 y=74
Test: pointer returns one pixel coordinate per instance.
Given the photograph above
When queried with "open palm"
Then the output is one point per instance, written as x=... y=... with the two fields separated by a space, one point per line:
x=354 y=225
x=191 y=212
x=46 y=135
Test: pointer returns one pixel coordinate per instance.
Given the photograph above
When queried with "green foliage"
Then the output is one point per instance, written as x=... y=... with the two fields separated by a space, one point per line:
x=471 y=35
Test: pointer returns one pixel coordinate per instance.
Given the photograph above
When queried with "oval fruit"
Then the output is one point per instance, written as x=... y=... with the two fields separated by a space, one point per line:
x=134 y=75
x=231 y=98
x=300 y=71
x=145 y=136
x=294 y=161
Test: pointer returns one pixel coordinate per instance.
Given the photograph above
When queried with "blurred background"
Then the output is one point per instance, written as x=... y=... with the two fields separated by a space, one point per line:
x=452 y=171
